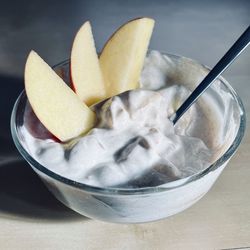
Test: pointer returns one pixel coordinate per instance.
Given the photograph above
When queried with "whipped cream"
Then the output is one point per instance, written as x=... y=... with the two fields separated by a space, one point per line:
x=134 y=144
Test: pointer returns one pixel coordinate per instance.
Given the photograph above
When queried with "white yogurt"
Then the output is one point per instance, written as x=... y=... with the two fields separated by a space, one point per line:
x=134 y=144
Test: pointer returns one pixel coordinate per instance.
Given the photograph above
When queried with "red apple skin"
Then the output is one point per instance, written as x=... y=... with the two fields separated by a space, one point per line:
x=35 y=127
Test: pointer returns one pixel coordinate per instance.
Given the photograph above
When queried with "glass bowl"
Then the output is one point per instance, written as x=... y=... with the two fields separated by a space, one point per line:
x=123 y=205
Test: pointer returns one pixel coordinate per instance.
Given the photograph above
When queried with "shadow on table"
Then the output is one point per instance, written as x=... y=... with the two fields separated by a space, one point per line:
x=22 y=193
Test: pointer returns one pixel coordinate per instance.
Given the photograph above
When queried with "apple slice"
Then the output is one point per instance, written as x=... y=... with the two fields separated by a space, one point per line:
x=122 y=57
x=86 y=75
x=34 y=126
x=57 y=107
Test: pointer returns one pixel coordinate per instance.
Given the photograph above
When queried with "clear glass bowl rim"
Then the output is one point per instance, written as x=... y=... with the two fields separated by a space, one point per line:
x=129 y=191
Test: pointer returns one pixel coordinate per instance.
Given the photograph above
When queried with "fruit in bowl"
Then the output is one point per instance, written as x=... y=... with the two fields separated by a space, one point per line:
x=99 y=133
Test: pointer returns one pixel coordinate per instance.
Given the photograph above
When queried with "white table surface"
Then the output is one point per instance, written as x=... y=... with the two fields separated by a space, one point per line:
x=30 y=218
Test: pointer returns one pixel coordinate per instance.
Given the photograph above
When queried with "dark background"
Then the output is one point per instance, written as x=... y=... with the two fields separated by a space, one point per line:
x=202 y=30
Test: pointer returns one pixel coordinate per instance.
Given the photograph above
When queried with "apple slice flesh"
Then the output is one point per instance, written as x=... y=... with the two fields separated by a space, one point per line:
x=85 y=70
x=34 y=126
x=57 y=107
x=122 y=57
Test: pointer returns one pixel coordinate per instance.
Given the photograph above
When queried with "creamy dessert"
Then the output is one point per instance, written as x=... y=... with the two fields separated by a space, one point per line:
x=114 y=129
x=134 y=144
